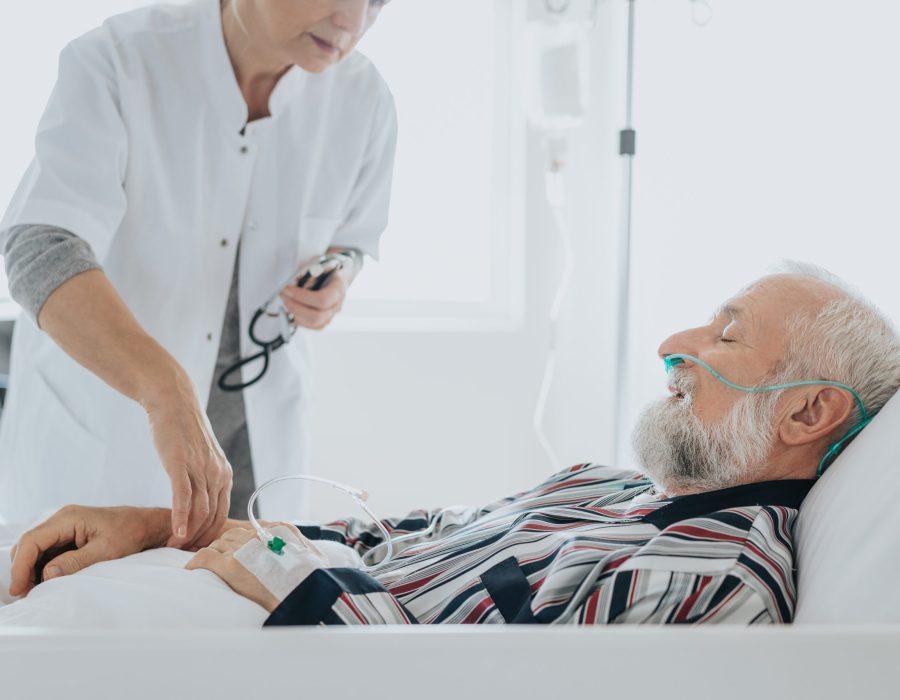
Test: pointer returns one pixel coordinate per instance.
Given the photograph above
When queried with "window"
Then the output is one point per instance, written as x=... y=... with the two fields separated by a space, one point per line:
x=452 y=256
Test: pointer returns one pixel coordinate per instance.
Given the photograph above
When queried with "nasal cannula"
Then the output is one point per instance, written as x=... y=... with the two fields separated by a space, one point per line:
x=833 y=451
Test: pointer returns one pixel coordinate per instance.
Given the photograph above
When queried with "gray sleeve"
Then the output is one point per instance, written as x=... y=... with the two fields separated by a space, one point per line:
x=39 y=259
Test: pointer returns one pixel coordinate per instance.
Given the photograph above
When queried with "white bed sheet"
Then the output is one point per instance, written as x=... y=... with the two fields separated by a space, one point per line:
x=8 y=535
x=150 y=590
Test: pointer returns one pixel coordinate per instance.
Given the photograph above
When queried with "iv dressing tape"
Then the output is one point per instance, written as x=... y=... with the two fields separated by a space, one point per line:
x=281 y=573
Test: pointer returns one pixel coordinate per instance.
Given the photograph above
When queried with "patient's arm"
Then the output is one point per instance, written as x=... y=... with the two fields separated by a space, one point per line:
x=91 y=535
x=83 y=535
x=417 y=527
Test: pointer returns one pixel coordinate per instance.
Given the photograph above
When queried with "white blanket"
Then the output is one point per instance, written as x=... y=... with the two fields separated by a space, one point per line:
x=150 y=590
x=144 y=591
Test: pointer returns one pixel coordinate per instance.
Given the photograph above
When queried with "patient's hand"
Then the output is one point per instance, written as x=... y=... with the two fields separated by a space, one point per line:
x=218 y=557
x=78 y=536
x=256 y=573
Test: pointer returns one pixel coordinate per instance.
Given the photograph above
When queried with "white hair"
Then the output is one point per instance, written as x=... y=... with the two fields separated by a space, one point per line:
x=849 y=341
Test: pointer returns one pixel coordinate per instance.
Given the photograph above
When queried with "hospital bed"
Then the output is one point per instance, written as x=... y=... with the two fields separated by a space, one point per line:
x=151 y=644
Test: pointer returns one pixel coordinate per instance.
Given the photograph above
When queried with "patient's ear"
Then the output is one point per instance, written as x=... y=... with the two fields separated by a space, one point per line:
x=815 y=414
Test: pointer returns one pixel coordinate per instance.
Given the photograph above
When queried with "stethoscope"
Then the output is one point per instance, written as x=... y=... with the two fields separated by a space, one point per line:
x=313 y=278
x=267 y=347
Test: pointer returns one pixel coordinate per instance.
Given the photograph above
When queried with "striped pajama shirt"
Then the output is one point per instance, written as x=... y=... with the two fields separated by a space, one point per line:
x=591 y=545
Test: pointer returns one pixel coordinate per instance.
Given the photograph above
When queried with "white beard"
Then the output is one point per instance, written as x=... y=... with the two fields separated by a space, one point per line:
x=678 y=451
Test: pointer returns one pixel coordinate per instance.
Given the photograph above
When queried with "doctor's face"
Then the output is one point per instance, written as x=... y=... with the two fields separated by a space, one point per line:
x=312 y=34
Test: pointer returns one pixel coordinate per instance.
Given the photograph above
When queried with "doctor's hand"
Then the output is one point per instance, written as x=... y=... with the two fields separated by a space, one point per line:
x=77 y=536
x=197 y=467
x=315 y=309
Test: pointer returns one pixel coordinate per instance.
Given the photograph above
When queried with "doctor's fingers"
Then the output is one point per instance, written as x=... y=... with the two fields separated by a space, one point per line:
x=331 y=296
x=203 y=513
x=181 y=505
x=308 y=317
x=190 y=508
x=199 y=507
x=222 y=509
x=215 y=523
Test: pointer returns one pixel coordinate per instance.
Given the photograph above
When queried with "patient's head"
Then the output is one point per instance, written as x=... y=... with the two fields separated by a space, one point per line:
x=799 y=324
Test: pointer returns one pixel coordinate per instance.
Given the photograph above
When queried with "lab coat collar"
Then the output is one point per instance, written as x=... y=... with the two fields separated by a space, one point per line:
x=225 y=93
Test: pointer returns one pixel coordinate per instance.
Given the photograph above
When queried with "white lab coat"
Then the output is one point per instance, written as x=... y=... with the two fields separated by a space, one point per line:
x=139 y=152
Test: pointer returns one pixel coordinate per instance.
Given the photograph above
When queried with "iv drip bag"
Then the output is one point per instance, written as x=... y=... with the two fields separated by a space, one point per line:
x=556 y=75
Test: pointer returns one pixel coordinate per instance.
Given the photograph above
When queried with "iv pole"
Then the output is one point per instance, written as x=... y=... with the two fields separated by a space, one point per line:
x=627 y=142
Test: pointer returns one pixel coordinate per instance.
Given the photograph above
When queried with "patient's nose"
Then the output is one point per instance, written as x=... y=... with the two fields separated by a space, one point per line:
x=682 y=342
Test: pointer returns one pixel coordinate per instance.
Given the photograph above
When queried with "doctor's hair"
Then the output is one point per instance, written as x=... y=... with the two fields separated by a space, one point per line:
x=849 y=340
x=237 y=15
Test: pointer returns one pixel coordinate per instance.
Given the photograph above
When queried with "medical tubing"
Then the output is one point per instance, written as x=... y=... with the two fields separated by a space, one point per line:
x=774 y=387
x=358 y=495
x=268 y=347
x=395 y=540
x=238 y=366
x=835 y=448
x=555 y=191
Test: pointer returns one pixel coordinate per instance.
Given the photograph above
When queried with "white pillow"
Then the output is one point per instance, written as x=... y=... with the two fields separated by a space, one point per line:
x=848 y=532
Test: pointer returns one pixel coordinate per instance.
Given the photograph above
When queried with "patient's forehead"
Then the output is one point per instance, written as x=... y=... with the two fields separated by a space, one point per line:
x=763 y=308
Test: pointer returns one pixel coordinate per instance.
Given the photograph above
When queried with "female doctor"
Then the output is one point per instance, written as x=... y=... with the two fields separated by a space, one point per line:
x=191 y=158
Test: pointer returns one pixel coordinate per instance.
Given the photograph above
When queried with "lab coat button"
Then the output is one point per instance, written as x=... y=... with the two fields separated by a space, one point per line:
x=244 y=149
x=209 y=336
x=223 y=242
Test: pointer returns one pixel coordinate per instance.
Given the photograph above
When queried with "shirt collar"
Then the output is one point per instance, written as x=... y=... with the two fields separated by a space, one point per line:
x=789 y=493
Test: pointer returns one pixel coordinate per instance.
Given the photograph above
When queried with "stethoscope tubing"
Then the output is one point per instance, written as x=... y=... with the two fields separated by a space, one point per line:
x=269 y=346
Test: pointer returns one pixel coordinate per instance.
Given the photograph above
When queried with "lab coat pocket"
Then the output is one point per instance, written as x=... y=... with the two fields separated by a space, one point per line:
x=68 y=459
x=314 y=236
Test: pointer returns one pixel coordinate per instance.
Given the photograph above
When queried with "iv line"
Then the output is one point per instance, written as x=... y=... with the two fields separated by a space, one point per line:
x=276 y=544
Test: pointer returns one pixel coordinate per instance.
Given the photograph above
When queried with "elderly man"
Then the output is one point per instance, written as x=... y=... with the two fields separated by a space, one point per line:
x=702 y=534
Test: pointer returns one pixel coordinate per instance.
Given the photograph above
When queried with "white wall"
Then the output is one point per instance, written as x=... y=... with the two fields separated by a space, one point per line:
x=770 y=133
x=439 y=418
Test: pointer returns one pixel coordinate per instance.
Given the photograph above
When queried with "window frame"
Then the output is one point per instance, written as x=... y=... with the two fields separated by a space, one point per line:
x=504 y=310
